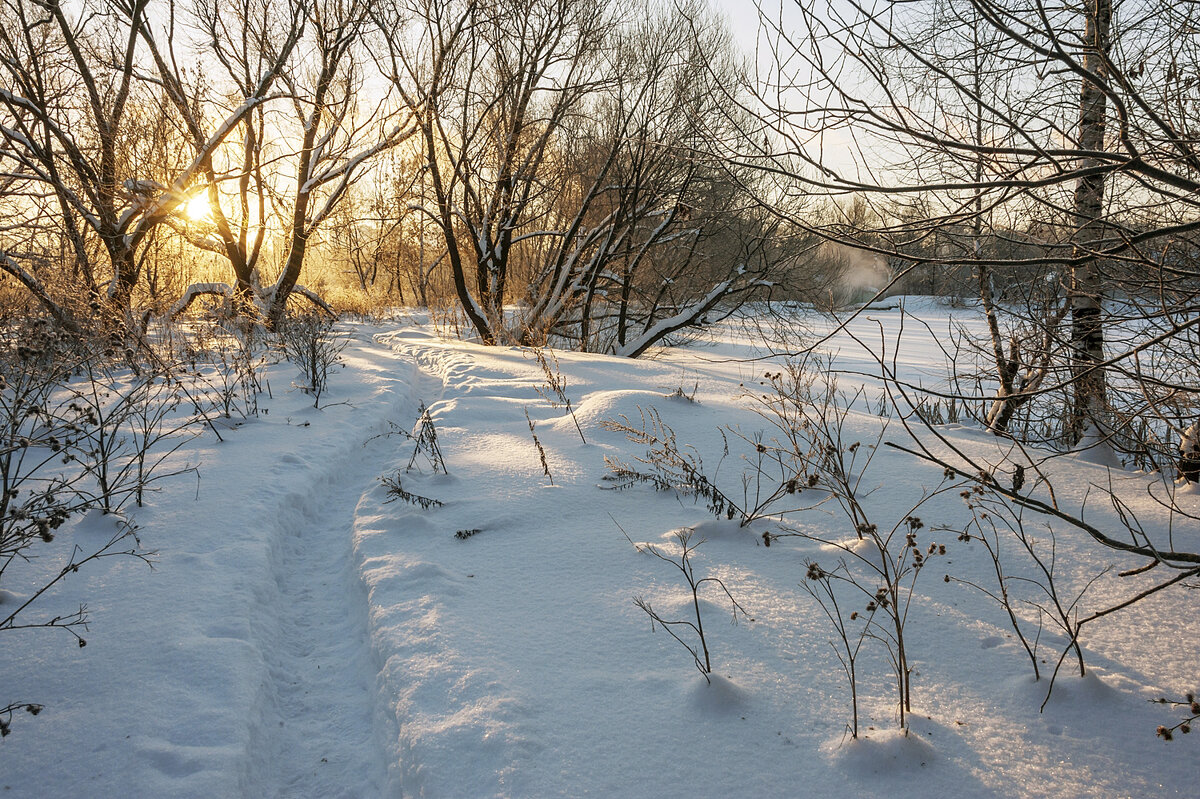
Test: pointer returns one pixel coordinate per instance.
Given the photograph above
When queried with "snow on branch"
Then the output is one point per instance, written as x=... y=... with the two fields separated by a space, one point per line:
x=346 y=171
x=10 y=266
x=315 y=299
x=684 y=318
x=196 y=290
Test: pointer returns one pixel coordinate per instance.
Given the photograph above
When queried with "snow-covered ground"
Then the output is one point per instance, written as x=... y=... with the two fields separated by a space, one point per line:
x=300 y=636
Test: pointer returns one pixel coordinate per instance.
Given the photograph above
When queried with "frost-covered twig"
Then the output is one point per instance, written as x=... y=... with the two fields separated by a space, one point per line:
x=541 y=450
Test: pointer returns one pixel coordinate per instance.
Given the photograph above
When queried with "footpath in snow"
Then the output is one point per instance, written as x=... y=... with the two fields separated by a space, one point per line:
x=241 y=665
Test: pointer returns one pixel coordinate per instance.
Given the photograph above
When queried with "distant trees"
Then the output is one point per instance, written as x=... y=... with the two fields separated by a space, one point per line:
x=1050 y=146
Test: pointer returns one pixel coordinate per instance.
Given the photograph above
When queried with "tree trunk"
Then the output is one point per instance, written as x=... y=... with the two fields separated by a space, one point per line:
x=446 y=224
x=1087 y=289
x=125 y=279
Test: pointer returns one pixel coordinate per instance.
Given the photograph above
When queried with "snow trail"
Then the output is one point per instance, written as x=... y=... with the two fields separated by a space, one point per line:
x=320 y=734
x=301 y=637
x=324 y=726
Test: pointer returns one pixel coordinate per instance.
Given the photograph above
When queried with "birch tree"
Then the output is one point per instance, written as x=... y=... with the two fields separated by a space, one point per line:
x=1089 y=405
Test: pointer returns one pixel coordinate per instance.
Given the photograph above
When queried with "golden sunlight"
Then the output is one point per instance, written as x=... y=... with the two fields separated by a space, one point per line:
x=197 y=208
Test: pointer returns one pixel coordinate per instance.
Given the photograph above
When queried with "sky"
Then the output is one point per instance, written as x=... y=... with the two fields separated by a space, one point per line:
x=743 y=20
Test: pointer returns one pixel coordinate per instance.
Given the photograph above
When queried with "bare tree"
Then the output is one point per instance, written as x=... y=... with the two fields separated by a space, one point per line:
x=75 y=93
x=562 y=165
x=683 y=243
x=253 y=43
x=1057 y=141
x=497 y=99
x=69 y=78
x=316 y=54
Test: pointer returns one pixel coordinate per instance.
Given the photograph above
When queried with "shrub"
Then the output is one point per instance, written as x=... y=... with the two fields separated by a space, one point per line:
x=310 y=342
x=690 y=628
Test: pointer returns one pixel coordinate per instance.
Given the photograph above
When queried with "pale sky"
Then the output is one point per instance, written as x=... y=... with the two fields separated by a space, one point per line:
x=743 y=20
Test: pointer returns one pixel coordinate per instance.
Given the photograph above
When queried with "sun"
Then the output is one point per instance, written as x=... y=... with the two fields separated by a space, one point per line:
x=197 y=208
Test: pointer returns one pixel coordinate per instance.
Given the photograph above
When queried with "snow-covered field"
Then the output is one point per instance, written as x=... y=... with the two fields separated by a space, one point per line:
x=300 y=636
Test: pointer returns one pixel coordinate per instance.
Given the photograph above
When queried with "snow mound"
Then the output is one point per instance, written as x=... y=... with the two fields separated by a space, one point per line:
x=717 y=696
x=880 y=753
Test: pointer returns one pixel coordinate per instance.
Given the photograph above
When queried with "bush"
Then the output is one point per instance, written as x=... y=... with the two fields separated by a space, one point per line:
x=310 y=342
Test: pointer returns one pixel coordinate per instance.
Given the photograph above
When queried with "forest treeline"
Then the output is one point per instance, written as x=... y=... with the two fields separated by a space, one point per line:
x=604 y=176
x=543 y=155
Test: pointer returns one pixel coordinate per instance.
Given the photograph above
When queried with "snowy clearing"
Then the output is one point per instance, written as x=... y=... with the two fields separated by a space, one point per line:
x=300 y=635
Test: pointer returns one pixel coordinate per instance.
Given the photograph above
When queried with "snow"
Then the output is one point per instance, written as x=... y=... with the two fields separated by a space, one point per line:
x=681 y=319
x=301 y=636
x=222 y=290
